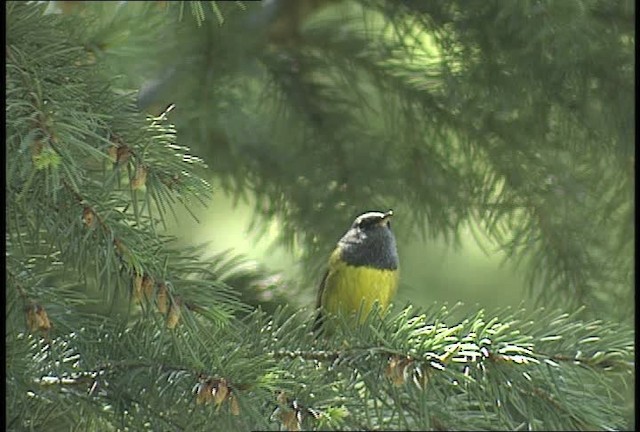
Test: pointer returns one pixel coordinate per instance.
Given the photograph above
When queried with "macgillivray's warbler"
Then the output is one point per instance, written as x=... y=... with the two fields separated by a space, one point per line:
x=362 y=269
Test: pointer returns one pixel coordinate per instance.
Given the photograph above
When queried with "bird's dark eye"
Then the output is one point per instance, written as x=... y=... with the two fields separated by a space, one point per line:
x=366 y=223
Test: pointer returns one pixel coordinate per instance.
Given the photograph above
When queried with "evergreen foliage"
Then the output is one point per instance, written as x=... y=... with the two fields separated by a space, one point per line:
x=515 y=118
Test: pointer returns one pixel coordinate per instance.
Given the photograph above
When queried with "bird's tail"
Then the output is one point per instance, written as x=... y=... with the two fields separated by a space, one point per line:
x=317 y=324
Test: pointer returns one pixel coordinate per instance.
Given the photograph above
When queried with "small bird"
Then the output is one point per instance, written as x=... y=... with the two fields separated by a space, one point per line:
x=363 y=269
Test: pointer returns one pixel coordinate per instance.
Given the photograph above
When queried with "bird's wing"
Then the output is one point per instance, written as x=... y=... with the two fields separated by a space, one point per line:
x=323 y=283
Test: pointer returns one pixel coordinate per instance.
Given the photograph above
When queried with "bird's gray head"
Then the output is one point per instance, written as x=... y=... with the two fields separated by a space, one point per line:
x=370 y=242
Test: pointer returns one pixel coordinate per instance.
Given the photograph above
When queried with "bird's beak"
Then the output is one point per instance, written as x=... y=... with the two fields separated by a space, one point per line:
x=386 y=217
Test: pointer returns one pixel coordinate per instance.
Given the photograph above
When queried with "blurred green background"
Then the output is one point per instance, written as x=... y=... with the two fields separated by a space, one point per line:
x=432 y=270
x=499 y=132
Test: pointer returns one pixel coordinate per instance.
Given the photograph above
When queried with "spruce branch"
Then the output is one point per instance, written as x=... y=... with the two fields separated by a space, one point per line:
x=90 y=182
x=497 y=367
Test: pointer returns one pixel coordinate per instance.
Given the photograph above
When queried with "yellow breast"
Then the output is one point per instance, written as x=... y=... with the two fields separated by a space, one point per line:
x=347 y=287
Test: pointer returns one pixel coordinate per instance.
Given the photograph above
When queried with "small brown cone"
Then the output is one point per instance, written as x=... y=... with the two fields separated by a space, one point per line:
x=113 y=153
x=139 y=178
x=162 y=299
x=174 y=314
x=147 y=287
x=32 y=319
x=290 y=420
x=123 y=154
x=396 y=370
x=204 y=393
x=282 y=398
x=37 y=318
x=222 y=390
x=234 y=405
x=43 y=319
x=88 y=217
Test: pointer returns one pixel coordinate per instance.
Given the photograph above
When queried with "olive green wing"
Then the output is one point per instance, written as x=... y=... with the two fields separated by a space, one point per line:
x=318 y=322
